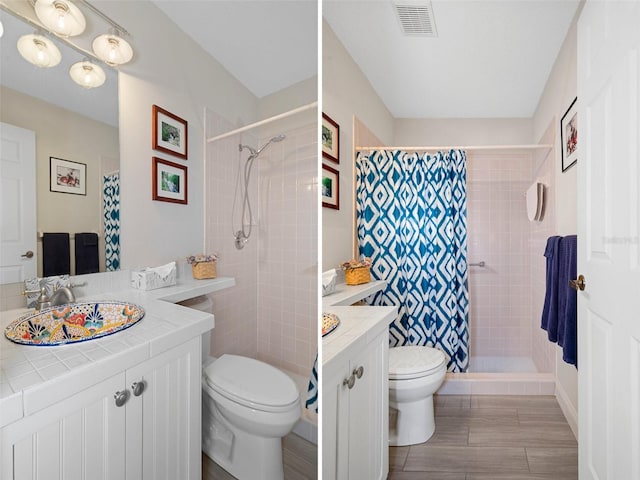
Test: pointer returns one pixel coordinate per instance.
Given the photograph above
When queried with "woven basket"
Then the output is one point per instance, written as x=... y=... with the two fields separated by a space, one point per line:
x=203 y=270
x=357 y=276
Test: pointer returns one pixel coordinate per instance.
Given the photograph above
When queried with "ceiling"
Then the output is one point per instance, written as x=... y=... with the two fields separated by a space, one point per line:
x=267 y=45
x=491 y=59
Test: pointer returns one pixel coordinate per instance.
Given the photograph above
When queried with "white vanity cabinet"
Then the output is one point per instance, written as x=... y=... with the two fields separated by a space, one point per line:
x=355 y=395
x=154 y=434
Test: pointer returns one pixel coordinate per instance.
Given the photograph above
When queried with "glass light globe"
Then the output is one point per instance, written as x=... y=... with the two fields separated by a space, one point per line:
x=39 y=50
x=61 y=17
x=112 y=49
x=87 y=74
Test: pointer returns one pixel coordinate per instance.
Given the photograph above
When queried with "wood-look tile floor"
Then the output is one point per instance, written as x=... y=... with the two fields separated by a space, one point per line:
x=300 y=459
x=491 y=438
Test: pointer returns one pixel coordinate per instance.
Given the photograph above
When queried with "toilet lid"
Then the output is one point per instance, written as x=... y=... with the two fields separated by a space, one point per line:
x=251 y=382
x=414 y=361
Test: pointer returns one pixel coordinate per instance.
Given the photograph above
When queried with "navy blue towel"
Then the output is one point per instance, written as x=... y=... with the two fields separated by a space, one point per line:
x=86 y=253
x=567 y=300
x=550 y=309
x=55 y=254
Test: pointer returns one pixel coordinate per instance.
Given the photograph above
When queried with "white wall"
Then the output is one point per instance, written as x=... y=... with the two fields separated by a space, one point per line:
x=559 y=92
x=346 y=92
x=172 y=71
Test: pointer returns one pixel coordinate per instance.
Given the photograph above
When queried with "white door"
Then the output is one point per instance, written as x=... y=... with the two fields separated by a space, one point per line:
x=18 y=204
x=608 y=240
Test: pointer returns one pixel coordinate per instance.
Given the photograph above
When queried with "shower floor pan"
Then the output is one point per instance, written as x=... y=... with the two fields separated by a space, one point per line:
x=499 y=376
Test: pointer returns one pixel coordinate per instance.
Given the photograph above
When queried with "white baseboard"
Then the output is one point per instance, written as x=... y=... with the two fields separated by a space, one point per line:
x=570 y=412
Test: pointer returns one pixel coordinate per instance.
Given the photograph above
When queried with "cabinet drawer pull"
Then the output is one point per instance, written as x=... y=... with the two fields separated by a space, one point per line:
x=121 y=397
x=138 y=388
x=358 y=371
x=349 y=382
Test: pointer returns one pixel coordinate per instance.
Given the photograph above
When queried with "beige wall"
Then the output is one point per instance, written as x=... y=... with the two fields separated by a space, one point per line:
x=559 y=92
x=413 y=132
x=346 y=92
x=64 y=134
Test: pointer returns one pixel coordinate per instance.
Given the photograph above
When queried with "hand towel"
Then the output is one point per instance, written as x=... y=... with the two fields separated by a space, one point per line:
x=56 y=259
x=567 y=300
x=550 y=309
x=86 y=251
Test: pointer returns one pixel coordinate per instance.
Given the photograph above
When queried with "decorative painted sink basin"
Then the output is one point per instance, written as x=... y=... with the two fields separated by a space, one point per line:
x=76 y=322
x=329 y=323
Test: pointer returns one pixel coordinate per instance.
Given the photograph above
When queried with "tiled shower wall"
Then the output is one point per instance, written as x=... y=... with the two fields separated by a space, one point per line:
x=288 y=247
x=543 y=351
x=271 y=313
x=498 y=232
x=235 y=309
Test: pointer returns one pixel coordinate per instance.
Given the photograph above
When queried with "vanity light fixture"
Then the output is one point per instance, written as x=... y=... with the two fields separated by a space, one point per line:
x=61 y=17
x=87 y=74
x=39 y=50
x=112 y=49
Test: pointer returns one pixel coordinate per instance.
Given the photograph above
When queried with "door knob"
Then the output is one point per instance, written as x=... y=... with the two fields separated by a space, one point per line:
x=578 y=284
x=28 y=254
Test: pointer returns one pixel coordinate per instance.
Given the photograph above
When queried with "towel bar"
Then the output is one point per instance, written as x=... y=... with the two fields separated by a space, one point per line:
x=479 y=264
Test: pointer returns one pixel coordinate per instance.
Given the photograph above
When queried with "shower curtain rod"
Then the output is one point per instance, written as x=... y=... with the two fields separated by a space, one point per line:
x=449 y=147
x=263 y=122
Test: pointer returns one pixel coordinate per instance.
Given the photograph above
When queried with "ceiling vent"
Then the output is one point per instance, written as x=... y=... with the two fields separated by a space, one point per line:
x=416 y=18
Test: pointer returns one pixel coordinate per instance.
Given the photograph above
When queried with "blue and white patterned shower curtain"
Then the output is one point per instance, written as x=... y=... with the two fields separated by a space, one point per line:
x=412 y=222
x=111 y=209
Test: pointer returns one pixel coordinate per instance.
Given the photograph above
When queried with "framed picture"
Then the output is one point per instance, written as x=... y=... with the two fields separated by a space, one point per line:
x=169 y=133
x=569 y=136
x=330 y=187
x=169 y=181
x=330 y=139
x=67 y=176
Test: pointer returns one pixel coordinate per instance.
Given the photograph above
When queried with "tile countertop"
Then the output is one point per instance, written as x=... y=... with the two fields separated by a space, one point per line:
x=358 y=326
x=34 y=377
x=350 y=294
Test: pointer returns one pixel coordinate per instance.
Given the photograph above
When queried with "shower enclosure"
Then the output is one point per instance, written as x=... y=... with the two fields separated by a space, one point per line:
x=271 y=312
x=509 y=352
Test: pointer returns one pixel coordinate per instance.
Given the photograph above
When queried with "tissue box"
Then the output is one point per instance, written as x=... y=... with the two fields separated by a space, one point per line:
x=152 y=278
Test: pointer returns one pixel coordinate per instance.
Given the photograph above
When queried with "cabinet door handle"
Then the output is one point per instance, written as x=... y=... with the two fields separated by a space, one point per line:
x=121 y=397
x=349 y=382
x=138 y=388
x=358 y=371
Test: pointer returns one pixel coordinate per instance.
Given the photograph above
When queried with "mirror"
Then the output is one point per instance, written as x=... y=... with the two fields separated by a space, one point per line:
x=71 y=124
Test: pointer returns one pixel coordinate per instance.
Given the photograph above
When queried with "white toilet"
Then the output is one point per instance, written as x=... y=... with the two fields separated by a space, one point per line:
x=247 y=407
x=415 y=374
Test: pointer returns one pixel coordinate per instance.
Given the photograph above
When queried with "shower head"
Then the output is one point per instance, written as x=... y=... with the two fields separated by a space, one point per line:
x=254 y=152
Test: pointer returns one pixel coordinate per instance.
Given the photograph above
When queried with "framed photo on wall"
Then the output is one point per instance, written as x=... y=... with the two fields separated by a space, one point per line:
x=67 y=176
x=169 y=181
x=169 y=132
x=330 y=187
x=330 y=139
x=569 y=136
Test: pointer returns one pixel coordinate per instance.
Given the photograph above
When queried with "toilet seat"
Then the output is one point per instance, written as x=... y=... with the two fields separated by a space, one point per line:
x=251 y=383
x=412 y=361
